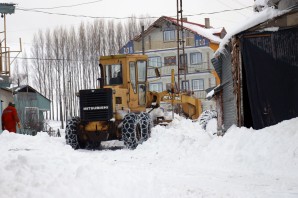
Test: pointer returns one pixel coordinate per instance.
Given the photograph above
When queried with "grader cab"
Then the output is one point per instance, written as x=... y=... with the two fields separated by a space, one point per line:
x=117 y=109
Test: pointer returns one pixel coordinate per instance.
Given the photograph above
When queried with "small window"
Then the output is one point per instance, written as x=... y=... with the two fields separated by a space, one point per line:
x=196 y=58
x=170 y=60
x=154 y=61
x=183 y=60
x=168 y=86
x=169 y=35
x=113 y=74
x=185 y=85
x=198 y=85
x=155 y=87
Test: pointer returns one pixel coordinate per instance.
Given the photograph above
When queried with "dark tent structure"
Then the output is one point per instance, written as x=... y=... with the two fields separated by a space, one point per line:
x=270 y=65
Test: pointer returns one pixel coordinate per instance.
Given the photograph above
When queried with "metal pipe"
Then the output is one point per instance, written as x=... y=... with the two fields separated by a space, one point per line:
x=178 y=48
x=183 y=41
x=5 y=56
x=143 y=42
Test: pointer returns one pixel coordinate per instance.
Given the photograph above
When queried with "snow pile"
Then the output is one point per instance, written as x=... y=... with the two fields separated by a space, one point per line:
x=179 y=160
x=260 y=5
x=269 y=151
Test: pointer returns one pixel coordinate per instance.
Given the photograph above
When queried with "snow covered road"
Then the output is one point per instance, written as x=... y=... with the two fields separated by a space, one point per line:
x=180 y=160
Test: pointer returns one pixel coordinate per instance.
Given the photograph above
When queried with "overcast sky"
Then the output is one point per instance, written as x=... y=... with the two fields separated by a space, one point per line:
x=24 y=24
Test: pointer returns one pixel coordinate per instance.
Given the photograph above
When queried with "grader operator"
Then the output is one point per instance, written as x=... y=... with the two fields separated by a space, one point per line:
x=117 y=109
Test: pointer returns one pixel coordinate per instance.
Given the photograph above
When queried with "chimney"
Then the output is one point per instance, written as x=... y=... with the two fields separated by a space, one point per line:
x=184 y=19
x=207 y=23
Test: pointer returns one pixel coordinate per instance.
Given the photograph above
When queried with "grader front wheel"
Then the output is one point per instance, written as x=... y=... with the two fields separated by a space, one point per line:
x=136 y=129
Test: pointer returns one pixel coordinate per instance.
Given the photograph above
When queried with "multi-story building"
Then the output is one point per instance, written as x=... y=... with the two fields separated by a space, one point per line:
x=159 y=42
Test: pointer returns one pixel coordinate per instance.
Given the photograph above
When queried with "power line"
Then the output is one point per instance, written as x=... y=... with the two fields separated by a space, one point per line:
x=67 y=6
x=94 y=17
x=218 y=12
x=229 y=6
x=73 y=15
x=53 y=59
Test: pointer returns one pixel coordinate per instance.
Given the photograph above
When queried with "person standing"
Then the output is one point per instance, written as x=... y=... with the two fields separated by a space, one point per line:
x=10 y=118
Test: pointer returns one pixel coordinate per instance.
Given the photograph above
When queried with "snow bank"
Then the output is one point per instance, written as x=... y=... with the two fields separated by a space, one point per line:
x=272 y=150
x=179 y=160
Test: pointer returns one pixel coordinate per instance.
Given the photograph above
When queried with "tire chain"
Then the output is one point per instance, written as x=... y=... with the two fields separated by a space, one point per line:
x=70 y=132
x=130 y=123
x=206 y=116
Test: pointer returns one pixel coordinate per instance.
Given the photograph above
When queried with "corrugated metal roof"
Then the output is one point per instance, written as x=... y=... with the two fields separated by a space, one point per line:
x=217 y=64
x=27 y=88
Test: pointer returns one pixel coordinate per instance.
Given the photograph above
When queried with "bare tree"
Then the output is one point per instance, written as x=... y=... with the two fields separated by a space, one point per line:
x=120 y=38
x=66 y=60
x=49 y=70
x=132 y=28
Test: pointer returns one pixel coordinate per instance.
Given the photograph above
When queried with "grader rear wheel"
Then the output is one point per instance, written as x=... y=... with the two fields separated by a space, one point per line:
x=71 y=133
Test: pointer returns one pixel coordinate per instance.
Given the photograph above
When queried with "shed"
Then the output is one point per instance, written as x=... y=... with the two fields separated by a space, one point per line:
x=31 y=107
x=258 y=67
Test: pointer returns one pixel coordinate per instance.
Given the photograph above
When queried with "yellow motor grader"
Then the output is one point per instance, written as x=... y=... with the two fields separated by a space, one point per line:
x=119 y=109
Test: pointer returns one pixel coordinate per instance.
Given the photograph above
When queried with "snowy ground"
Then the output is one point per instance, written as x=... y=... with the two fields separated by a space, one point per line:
x=180 y=160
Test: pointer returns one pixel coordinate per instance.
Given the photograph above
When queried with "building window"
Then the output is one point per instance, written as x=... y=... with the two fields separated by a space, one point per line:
x=168 y=86
x=170 y=60
x=198 y=85
x=155 y=87
x=185 y=85
x=169 y=35
x=183 y=60
x=154 y=61
x=196 y=58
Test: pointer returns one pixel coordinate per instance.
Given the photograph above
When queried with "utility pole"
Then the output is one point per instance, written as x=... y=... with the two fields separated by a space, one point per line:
x=180 y=43
x=143 y=40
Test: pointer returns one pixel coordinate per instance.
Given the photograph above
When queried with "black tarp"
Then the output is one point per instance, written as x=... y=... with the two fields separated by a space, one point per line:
x=270 y=62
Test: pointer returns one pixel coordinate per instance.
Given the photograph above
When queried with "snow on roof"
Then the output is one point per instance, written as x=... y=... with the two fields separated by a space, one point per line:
x=191 y=26
x=208 y=33
x=201 y=30
x=255 y=19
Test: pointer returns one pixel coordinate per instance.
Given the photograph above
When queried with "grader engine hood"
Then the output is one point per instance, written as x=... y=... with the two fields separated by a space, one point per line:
x=96 y=104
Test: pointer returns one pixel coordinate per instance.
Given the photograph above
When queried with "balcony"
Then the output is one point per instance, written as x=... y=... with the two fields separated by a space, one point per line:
x=166 y=70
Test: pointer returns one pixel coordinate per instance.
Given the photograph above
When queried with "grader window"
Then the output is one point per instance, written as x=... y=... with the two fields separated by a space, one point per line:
x=113 y=74
x=142 y=71
x=132 y=73
x=142 y=94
